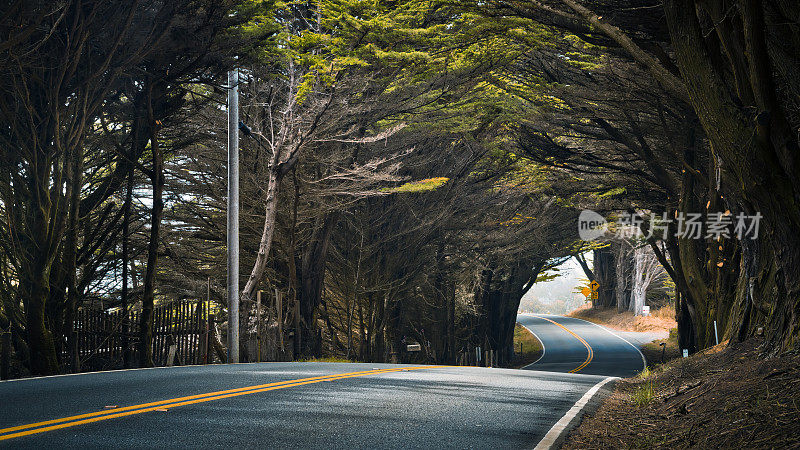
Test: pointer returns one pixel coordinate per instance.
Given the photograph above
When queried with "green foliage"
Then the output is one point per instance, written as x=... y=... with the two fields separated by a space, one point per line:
x=645 y=394
x=428 y=184
x=612 y=192
x=551 y=274
x=582 y=283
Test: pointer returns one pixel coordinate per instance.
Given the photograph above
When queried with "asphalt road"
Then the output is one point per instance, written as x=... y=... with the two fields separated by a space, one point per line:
x=317 y=405
x=578 y=346
x=459 y=407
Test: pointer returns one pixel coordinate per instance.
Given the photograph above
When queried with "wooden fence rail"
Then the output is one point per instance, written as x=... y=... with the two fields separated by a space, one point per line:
x=110 y=339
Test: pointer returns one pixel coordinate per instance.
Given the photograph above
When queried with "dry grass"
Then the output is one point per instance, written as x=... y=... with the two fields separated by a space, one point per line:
x=727 y=397
x=531 y=347
x=329 y=359
x=662 y=319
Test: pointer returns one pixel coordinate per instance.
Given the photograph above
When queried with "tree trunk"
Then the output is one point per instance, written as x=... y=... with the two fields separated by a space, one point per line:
x=622 y=272
x=267 y=232
x=760 y=156
x=43 y=360
x=312 y=276
x=71 y=249
x=35 y=275
x=451 y=323
x=148 y=296
x=126 y=220
x=640 y=282
x=605 y=274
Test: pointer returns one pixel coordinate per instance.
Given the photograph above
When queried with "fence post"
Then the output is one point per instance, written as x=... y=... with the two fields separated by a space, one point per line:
x=197 y=348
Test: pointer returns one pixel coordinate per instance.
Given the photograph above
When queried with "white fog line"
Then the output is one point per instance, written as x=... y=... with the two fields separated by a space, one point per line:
x=61 y=375
x=540 y=341
x=549 y=440
x=644 y=361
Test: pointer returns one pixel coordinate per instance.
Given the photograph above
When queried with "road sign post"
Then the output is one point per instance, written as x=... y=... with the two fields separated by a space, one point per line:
x=595 y=289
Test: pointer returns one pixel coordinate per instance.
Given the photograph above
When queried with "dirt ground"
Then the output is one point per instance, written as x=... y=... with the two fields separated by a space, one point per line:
x=662 y=319
x=656 y=354
x=724 y=397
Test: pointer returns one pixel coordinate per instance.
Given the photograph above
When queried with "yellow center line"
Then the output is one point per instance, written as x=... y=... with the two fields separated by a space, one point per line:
x=71 y=421
x=590 y=352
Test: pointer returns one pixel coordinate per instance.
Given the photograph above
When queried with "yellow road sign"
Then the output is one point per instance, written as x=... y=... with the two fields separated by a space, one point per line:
x=586 y=292
x=594 y=295
x=595 y=285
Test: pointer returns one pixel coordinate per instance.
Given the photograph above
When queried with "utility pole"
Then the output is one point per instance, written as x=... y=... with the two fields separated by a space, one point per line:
x=233 y=216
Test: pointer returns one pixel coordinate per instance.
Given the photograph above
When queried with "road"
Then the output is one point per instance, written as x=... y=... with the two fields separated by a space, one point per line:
x=311 y=405
x=578 y=346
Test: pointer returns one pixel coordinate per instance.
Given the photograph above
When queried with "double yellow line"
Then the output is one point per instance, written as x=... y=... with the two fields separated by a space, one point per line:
x=590 y=352
x=163 y=405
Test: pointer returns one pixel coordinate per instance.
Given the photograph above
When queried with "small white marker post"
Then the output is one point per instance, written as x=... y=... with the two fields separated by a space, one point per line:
x=716 y=336
x=685 y=353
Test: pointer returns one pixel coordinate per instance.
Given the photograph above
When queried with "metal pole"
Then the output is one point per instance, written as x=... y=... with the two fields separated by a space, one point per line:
x=206 y=358
x=233 y=216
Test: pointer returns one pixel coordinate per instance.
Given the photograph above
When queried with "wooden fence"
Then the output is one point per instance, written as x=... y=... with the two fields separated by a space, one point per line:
x=180 y=336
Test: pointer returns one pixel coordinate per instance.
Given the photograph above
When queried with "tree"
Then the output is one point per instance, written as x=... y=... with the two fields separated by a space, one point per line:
x=74 y=70
x=646 y=270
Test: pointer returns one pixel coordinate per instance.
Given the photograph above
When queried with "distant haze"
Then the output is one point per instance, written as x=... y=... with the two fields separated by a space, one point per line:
x=556 y=296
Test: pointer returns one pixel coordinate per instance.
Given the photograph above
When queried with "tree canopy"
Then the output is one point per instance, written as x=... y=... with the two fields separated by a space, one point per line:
x=408 y=168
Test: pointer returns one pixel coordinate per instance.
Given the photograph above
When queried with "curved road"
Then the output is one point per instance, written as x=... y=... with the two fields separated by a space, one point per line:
x=289 y=405
x=324 y=405
x=577 y=346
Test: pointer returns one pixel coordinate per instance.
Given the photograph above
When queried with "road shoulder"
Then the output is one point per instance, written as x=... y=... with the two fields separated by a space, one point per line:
x=719 y=398
x=587 y=404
